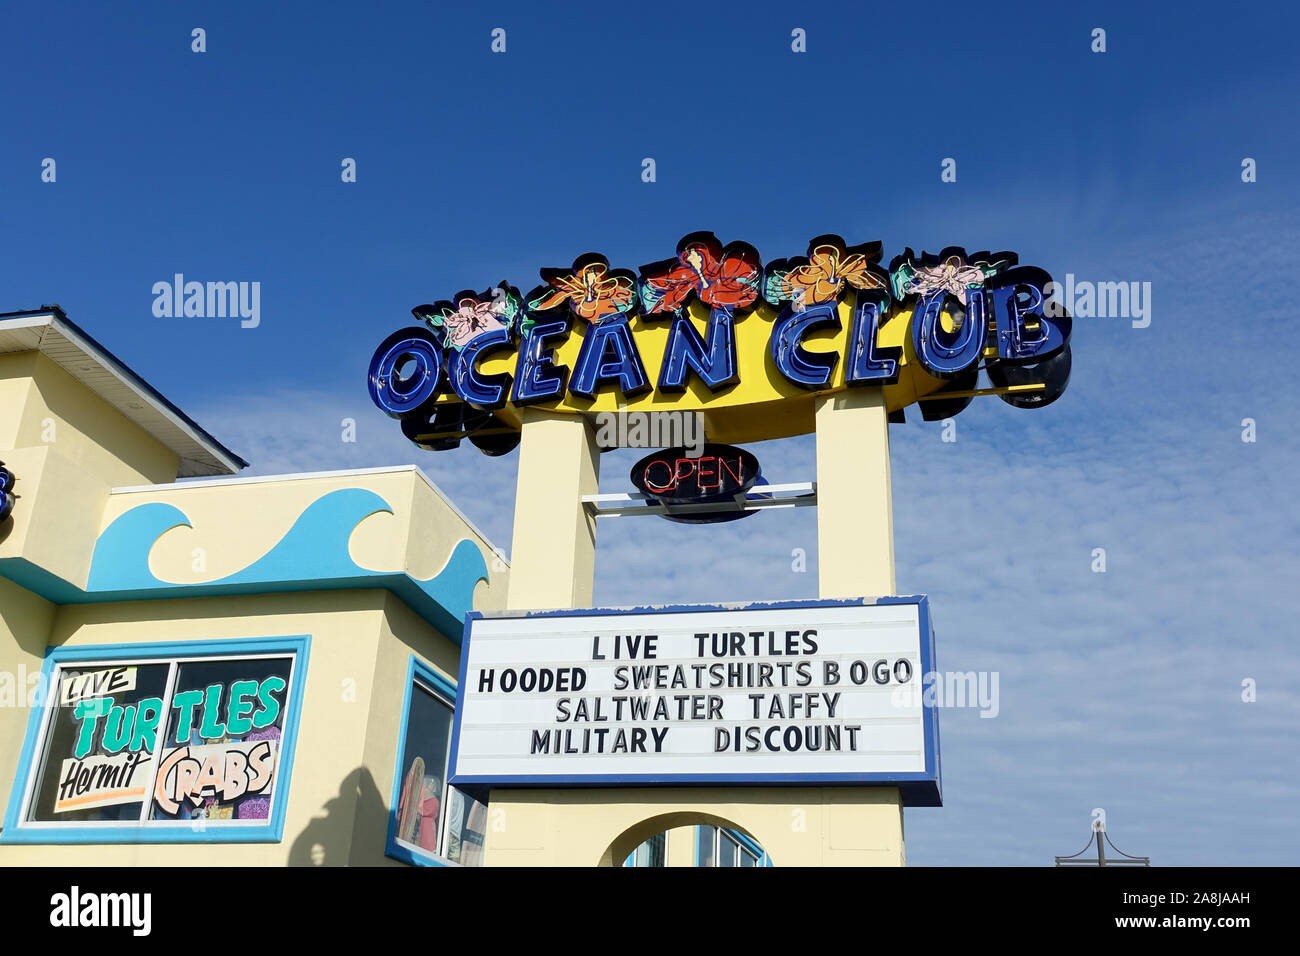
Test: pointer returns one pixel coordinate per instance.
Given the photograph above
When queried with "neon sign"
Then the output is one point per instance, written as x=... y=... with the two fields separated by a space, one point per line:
x=713 y=330
x=719 y=473
x=6 y=491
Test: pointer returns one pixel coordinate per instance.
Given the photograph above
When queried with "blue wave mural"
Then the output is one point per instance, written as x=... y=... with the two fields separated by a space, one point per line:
x=312 y=556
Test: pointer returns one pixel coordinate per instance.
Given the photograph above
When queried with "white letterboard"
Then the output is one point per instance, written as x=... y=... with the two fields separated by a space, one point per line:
x=814 y=692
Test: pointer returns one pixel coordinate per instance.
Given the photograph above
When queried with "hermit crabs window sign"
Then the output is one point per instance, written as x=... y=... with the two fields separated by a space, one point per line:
x=715 y=474
x=136 y=745
x=715 y=331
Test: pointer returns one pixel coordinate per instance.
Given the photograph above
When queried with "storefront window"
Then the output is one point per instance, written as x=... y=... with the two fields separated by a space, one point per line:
x=717 y=847
x=247 y=736
x=650 y=853
x=432 y=822
x=466 y=829
x=713 y=847
x=178 y=740
x=727 y=848
x=424 y=763
x=705 y=839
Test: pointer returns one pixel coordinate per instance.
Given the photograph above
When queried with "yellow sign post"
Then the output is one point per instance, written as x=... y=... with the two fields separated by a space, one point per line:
x=552 y=566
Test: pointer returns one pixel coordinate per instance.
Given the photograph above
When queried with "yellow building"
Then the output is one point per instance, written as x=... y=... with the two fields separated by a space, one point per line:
x=218 y=670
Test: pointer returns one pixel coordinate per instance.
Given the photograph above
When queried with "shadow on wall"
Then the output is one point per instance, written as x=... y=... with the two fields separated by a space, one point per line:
x=356 y=812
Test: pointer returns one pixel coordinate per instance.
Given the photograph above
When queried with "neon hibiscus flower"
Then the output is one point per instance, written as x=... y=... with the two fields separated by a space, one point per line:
x=592 y=289
x=727 y=278
x=724 y=280
x=472 y=313
x=823 y=275
x=951 y=274
x=808 y=291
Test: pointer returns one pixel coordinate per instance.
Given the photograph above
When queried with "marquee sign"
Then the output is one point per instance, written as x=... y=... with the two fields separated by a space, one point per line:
x=714 y=331
x=816 y=693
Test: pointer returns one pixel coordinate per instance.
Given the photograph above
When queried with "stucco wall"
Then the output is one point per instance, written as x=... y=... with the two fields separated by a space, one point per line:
x=797 y=826
x=402 y=633
x=25 y=622
x=327 y=780
x=53 y=408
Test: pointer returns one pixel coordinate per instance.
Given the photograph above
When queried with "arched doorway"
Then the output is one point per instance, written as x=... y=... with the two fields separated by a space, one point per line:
x=702 y=845
x=684 y=838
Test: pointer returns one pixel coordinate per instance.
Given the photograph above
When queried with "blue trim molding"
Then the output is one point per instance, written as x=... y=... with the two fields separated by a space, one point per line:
x=312 y=556
x=17 y=831
x=416 y=669
x=917 y=788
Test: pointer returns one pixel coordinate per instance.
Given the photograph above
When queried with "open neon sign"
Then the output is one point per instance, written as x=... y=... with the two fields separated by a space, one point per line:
x=719 y=473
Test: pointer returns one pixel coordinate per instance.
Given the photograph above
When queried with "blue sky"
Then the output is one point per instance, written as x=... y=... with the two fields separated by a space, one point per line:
x=1118 y=690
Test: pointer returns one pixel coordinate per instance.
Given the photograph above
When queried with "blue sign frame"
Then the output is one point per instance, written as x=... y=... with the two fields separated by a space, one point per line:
x=416 y=671
x=918 y=788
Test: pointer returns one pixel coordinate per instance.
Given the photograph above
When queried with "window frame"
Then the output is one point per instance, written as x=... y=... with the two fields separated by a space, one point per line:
x=713 y=845
x=33 y=756
x=732 y=844
x=662 y=837
x=744 y=846
x=443 y=688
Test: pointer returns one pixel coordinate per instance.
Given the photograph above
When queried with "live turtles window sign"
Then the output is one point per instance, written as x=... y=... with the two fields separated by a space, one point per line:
x=150 y=742
x=711 y=330
x=718 y=474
